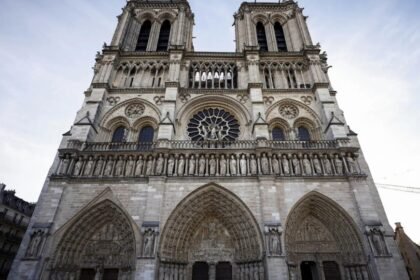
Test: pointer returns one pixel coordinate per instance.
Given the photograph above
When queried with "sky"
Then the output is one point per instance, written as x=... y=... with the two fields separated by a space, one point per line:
x=47 y=51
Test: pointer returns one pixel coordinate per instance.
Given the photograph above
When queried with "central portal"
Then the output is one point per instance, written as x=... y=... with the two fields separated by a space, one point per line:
x=211 y=235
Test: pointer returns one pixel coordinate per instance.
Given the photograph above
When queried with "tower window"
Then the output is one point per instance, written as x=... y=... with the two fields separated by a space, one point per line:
x=146 y=134
x=144 y=35
x=281 y=41
x=261 y=37
x=304 y=134
x=165 y=31
x=278 y=134
x=120 y=135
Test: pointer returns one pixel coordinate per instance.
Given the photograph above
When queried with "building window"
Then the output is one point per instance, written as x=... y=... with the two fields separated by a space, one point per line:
x=261 y=37
x=120 y=135
x=165 y=31
x=304 y=134
x=281 y=41
x=278 y=134
x=144 y=35
x=146 y=134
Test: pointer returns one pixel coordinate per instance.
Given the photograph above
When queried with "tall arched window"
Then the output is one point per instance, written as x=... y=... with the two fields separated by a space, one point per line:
x=261 y=37
x=304 y=134
x=281 y=40
x=144 y=36
x=278 y=134
x=146 y=134
x=120 y=135
x=165 y=31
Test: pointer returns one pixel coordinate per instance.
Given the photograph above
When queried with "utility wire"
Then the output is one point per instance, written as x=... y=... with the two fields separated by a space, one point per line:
x=399 y=188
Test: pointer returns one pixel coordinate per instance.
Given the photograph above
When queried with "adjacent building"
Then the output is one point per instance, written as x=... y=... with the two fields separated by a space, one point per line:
x=15 y=214
x=183 y=164
x=410 y=252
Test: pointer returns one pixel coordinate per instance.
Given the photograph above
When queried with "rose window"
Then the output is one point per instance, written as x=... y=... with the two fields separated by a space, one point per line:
x=135 y=110
x=213 y=125
x=289 y=111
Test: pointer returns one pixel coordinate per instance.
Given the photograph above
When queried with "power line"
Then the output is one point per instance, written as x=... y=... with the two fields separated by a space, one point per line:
x=399 y=188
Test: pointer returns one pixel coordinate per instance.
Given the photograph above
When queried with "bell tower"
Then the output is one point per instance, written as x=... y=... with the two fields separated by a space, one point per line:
x=154 y=26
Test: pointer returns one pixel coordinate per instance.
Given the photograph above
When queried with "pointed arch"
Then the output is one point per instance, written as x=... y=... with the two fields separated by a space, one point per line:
x=216 y=202
x=101 y=235
x=144 y=36
x=165 y=31
x=280 y=38
x=318 y=229
x=261 y=36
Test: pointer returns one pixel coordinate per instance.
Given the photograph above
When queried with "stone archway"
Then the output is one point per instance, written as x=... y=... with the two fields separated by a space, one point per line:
x=99 y=244
x=211 y=226
x=322 y=242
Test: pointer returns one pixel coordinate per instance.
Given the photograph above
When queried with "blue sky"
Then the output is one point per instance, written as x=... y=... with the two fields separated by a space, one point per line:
x=47 y=50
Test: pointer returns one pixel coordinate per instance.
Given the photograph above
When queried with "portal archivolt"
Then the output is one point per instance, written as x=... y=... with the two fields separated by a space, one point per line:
x=322 y=242
x=211 y=229
x=100 y=244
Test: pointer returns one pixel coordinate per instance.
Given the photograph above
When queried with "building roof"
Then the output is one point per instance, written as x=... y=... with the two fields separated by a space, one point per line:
x=9 y=199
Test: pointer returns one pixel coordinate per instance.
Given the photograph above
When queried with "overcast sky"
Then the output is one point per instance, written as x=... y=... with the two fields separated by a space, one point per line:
x=47 y=50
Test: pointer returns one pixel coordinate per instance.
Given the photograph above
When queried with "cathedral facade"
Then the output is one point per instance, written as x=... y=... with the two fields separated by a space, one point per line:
x=188 y=165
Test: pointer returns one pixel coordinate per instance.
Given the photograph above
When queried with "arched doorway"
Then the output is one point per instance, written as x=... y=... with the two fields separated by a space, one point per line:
x=322 y=242
x=99 y=244
x=211 y=231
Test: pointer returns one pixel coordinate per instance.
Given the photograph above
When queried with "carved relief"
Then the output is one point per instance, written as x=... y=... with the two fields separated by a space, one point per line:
x=112 y=101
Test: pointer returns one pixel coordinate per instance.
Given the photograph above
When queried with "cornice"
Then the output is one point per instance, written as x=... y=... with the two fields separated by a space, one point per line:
x=136 y=90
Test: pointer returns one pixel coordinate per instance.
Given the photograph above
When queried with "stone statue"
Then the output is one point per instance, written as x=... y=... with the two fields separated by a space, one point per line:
x=223 y=165
x=307 y=168
x=338 y=165
x=212 y=165
x=78 y=167
x=253 y=165
x=317 y=165
x=171 y=164
x=191 y=170
x=34 y=245
x=285 y=163
x=149 y=166
x=119 y=166
x=378 y=242
x=296 y=165
x=64 y=165
x=88 y=167
x=159 y=165
x=148 y=245
x=181 y=165
x=99 y=166
x=243 y=164
x=201 y=166
x=327 y=165
x=129 y=167
x=109 y=166
x=265 y=167
x=232 y=165
x=276 y=165
x=139 y=166
x=351 y=163
x=275 y=245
